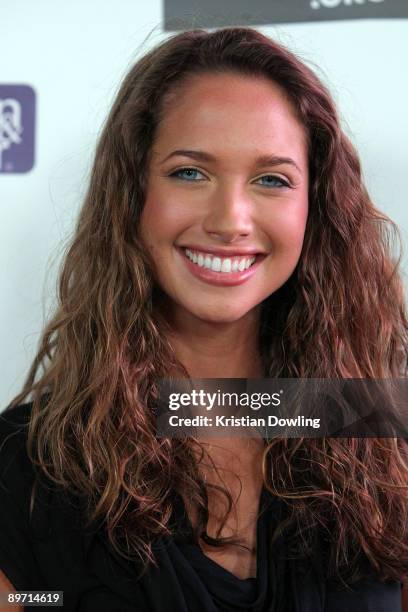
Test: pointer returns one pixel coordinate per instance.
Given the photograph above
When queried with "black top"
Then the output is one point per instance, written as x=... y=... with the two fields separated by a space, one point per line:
x=229 y=593
x=52 y=551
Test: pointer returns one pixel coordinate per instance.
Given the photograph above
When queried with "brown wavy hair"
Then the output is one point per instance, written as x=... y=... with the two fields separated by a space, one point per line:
x=340 y=315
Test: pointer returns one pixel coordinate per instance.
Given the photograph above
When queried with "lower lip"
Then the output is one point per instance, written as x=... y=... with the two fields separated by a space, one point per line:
x=222 y=279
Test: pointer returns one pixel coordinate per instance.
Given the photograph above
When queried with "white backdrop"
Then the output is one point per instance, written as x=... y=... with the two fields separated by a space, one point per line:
x=74 y=54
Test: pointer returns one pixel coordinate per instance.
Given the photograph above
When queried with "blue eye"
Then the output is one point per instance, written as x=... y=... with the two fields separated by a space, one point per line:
x=276 y=181
x=187 y=174
x=190 y=174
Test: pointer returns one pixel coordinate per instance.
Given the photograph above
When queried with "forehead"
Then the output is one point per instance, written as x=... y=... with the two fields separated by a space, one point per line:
x=231 y=110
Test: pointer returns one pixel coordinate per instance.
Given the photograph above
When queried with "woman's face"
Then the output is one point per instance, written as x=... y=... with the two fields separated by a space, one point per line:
x=227 y=186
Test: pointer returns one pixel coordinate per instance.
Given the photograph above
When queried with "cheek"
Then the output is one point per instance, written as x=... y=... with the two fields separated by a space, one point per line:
x=164 y=217
x=287 y=228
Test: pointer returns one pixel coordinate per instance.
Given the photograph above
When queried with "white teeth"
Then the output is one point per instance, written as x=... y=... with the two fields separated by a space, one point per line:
x=226 y=265
x=218 y=264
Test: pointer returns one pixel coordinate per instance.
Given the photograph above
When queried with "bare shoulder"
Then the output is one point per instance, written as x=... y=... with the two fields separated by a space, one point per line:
x=7 y=587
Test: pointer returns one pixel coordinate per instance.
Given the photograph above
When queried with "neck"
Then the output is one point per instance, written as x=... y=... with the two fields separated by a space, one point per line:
x=216 y=350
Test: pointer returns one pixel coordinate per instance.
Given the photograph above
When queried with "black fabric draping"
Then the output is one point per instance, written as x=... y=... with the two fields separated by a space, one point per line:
x=53 y=551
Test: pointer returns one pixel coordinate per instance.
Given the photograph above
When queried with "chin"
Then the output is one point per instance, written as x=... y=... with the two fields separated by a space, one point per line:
x=220 y=314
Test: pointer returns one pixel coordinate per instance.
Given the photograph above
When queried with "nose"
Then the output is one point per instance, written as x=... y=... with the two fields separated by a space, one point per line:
x=229 y=215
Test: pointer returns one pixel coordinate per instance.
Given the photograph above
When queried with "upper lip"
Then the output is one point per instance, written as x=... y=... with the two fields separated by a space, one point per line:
x=223 y=252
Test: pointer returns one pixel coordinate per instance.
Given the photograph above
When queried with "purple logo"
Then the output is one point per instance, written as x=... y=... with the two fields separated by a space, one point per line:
x=17 y=119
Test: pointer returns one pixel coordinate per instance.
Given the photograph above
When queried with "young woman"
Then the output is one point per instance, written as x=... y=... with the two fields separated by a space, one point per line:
x=226 y=233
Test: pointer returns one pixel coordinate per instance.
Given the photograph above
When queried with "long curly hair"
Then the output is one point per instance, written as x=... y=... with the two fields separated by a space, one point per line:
x=341 y=314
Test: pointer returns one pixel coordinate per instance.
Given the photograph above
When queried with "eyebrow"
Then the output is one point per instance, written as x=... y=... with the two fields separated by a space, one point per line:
x=262 y=160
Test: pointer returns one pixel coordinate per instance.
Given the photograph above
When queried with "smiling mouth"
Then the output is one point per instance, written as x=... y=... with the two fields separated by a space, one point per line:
x=223 y=265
